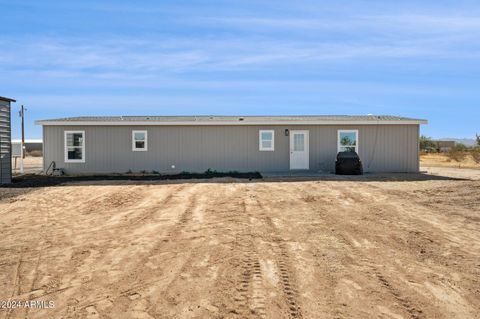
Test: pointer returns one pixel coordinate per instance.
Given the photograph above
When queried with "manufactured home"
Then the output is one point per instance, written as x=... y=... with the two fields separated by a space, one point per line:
x=168 y=144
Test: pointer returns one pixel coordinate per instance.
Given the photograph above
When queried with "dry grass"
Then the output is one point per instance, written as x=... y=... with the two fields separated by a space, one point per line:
x=35 y=153
x=456 y=155
x=455 y=159
x=476 y=155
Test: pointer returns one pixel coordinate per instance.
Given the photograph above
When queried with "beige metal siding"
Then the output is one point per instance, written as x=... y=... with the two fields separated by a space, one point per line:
x=383 y=148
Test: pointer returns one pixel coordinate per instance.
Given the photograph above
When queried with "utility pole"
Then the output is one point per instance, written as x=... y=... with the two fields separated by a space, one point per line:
x=22 y=147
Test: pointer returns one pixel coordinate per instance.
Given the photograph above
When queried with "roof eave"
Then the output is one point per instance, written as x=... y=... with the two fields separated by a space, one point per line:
x=7 y=99
x=242 y=123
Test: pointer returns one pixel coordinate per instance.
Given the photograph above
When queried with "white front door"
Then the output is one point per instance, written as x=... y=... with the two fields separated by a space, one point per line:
x=299 y=150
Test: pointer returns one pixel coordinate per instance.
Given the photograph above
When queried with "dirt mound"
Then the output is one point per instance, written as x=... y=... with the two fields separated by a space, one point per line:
x=35 y=180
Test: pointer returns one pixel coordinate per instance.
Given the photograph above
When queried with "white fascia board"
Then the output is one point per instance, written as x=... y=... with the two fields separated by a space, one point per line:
x=235 y=123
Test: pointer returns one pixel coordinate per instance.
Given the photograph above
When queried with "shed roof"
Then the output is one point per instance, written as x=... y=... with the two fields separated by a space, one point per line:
x=232 y=120
x=2 y=98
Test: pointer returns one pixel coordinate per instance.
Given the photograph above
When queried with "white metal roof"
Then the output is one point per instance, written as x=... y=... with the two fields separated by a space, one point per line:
x=232 y=120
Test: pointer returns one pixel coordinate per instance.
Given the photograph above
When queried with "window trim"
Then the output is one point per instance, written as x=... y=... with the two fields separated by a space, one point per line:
x=134 y=148
x=260 y=146
x=66 y=147
x=357 y=147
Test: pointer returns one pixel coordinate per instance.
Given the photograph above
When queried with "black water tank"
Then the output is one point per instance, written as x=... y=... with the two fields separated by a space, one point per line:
x=348 y=163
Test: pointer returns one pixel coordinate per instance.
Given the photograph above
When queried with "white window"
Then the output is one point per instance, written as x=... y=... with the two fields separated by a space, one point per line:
x=139 y=141
x=74 y=146
x=266 y=140
x=348 y=141
x=299 y=142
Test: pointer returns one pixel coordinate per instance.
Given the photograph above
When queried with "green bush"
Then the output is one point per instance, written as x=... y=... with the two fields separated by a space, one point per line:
x=210 y=172
x=427 y=144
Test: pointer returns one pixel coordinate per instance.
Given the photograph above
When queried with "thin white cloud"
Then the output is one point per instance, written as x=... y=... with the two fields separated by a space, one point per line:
x=99 y=58
x=326 y=40
x=432 y=23
x=420 y=23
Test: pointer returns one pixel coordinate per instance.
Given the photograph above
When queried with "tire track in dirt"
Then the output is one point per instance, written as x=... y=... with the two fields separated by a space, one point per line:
x=38 y=197
x=330 y=258
x=32 y=265
x=239 y=278
x=283 y=260
x=444 y=200
x=287 y=277
x=172 y=234
x=133 y=279
x=239 y=291
x=185 y=217
x=337 y=224
x=43 y=240
x=151 y=212
x=328 y=262
x=16 y=283
x=30 y=259
x=400 y=298
x=328 y=230
x=250 y=294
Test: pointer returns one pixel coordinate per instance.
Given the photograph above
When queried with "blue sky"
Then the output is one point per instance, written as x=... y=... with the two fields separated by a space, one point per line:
x=410 y=58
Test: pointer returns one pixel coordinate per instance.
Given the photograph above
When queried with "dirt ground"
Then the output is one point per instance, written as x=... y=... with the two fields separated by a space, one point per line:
x=463 y=173
x=238 y=249
x=30 y=165
x=442 y=160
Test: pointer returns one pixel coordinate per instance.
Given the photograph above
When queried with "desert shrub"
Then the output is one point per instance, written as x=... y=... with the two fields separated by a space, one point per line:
x=210 y=172
x=36 y=153
x=427 y=144
x=476 y=155
x=457 y=154
x=459 y=147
